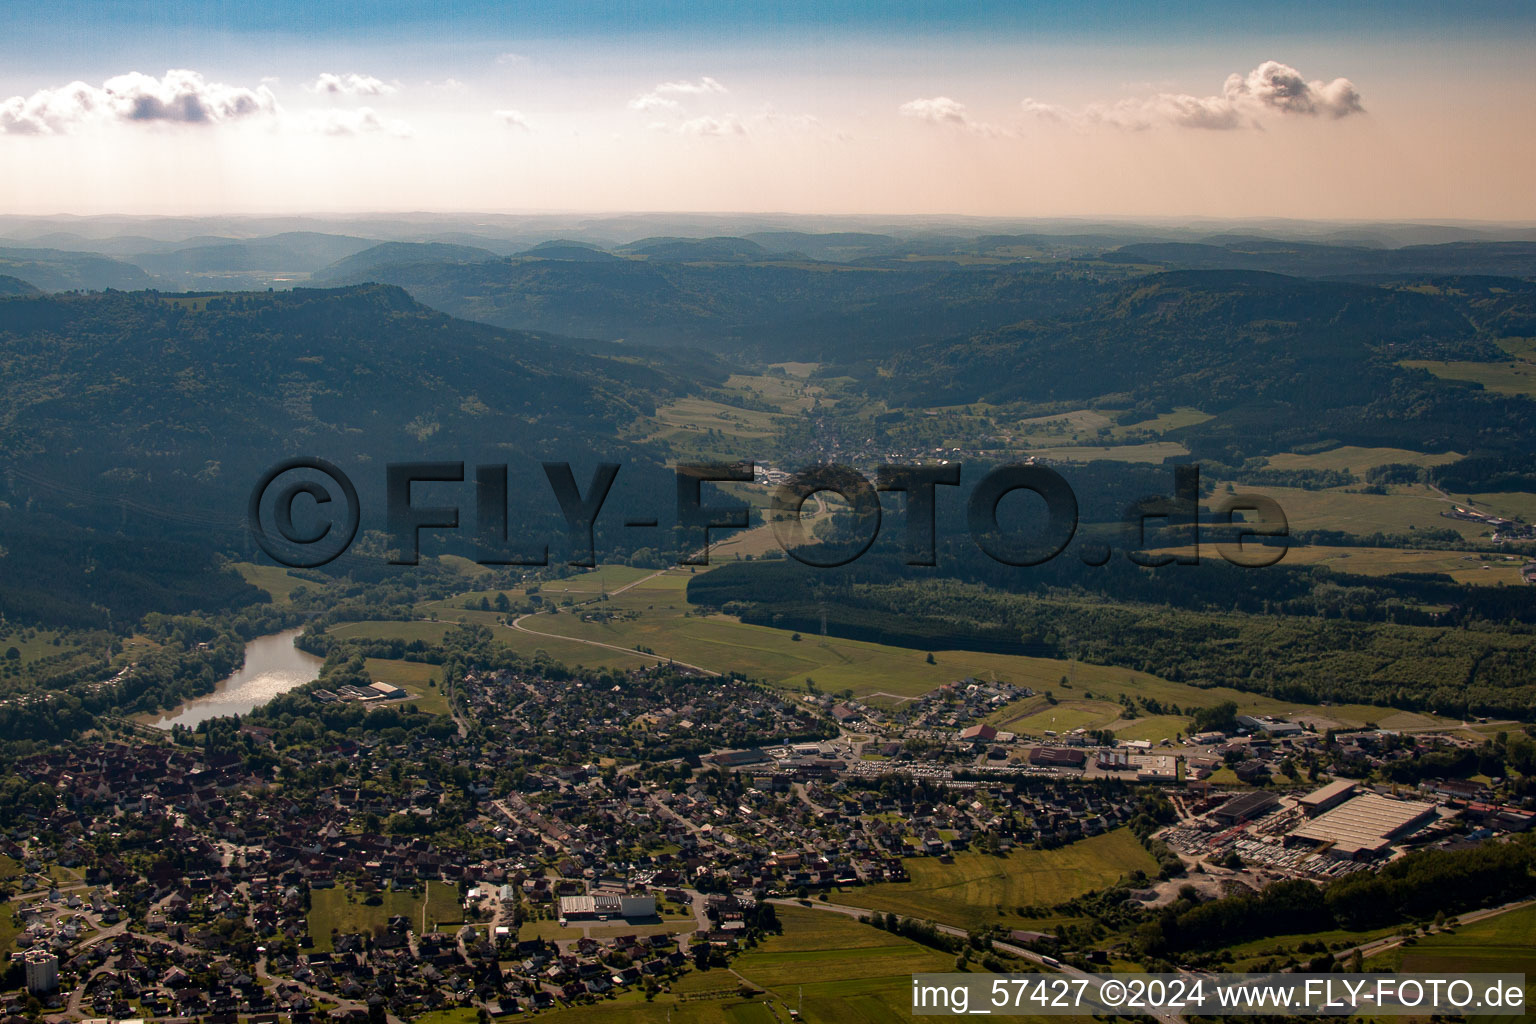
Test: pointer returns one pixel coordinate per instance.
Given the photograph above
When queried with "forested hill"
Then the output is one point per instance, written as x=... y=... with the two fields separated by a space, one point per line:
x=1280 y=362
x=772 y=308
x=128 y=419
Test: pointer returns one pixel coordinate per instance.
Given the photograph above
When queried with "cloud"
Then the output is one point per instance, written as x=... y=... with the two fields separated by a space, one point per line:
x=771 y=118
x=659 y=101
x=179 y=97
x=513 y=59
x=699 y=88
x=1270 y=90
x=652 y=103
x=512 y=119
x=1280 y=87
x=350 y=85
x=941 y=110
x=727 y=125
x=359 y=121
x=709 y=127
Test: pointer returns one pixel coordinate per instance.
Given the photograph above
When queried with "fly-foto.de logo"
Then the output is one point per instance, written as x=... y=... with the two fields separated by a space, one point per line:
x=305 y=512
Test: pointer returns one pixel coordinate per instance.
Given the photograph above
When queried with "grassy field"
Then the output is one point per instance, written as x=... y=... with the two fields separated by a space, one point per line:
x=332 y=909
x=879 y=673
x=429 y=632
x=458 y=1015
x=1511 y=378
x=1182 y=416
x=842 y=969
x=1247 y=954
x=1406 y=508
x=332 y=912
x=1498 y=945
x=443 y=905
x=1035 y=715
x=1357 y=460
x=1152 y=451
x=830 y=967
x=1151 y=727
x=412 y=677
x=1510 y=504
x=970 y=891
x=791 y=394
x=39 y=644
x=1463 y=567
x=276 y=581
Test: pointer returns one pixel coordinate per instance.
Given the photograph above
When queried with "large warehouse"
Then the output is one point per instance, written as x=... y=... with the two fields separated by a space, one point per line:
x=1327 y=798
x=603 y=905
x=1363 y=827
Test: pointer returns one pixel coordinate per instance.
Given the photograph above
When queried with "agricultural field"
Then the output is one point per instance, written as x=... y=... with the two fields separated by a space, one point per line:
x=881 y=674
x=388 y=629
x=979 y=888
x=790 y=393
x=1405 y=509
x=1181 y=416
x=1464 y=567
x=1151 y=451
x=825 y=965
x=1357 y=460
x=708 y=428
x=275 y=580
x=1496 y=944
x=837 y=969
x=1517 y=377
x=1509 y=504
x=1502 y=944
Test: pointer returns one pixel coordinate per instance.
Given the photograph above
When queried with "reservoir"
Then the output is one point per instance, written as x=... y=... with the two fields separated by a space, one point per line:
x=272 y=666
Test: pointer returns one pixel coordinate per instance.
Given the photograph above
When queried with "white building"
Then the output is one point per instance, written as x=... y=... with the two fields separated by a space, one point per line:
x=42 y=971
x=604 y=905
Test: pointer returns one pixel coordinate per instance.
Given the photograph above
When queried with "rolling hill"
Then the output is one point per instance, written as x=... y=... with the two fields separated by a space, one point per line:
x=137 y=423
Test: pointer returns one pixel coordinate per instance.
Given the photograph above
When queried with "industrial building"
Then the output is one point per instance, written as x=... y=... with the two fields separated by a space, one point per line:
x=604 y=905
x=1327 y=798
x=1155 y=767
x=1057 y=757
x=1363 y=827
x=1246 y=807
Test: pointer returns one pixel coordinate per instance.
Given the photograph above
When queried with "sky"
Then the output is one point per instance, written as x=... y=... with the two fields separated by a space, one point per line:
x=1339 y=111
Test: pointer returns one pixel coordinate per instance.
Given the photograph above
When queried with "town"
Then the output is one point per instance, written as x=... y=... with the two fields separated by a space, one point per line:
x=563 y=837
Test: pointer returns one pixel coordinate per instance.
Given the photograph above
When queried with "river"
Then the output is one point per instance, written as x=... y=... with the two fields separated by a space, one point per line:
x=272 y=666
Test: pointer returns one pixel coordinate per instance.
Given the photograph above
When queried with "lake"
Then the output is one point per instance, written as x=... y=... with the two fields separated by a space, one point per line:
x=272 y=666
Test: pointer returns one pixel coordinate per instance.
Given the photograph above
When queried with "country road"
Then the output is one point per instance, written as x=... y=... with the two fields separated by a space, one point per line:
x=517 y=624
